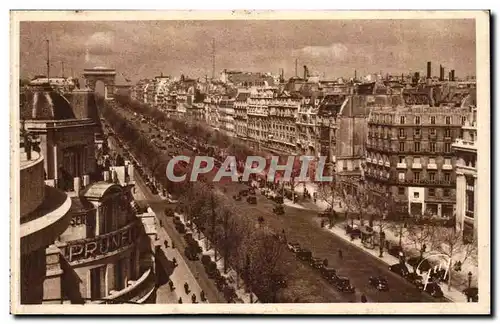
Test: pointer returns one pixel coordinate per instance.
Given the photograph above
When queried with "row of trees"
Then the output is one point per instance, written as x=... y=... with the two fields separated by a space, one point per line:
x=246 y=245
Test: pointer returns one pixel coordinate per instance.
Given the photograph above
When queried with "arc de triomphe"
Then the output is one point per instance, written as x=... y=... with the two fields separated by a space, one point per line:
x=106 y=75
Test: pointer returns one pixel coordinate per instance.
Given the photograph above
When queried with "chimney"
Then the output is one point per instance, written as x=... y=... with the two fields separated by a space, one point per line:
x=452 y=75
x=429 y=70
x=86 y=180
x=441 y=73
x=77 y=184
x=106 y=176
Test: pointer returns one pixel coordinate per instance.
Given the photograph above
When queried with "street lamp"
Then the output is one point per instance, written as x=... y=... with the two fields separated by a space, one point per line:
x=469 y=276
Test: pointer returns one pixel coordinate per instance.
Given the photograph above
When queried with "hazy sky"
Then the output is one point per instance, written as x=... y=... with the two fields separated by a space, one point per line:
x=141 y=49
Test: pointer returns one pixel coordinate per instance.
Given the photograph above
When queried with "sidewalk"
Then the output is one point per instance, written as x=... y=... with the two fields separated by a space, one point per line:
x=180 y=274
x=231 y=274
x=454 y=294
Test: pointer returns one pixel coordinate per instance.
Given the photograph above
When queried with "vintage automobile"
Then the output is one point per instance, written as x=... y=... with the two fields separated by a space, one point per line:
x=416 y=280
x=330 y=274
x=434 y=290
x=278 y=199
x=420 y=263
x=380 y=283
x=294 y=247
x=316 y=263
x=243 y=193
x=399 y=269
x=190 y=253
x=343 y=284
x=279 y=210
x=304 y=255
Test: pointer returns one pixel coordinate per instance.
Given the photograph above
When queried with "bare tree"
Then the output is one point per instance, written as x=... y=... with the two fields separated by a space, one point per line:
x=449 y=241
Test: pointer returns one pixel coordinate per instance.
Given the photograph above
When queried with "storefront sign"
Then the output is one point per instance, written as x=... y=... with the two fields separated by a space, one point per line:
x=102 y=245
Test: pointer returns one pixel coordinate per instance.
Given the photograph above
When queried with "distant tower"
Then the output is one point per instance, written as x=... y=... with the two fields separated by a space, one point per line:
x=452 y=75
x=429 y=70
x=441 y=73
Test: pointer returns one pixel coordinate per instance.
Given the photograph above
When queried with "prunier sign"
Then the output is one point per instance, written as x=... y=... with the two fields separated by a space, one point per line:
x=100 y=246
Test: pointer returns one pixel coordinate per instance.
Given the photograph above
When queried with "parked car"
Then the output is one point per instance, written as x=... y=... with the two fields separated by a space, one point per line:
x=434 y=290
x=395 y=251
x=379 y=282
x=243 y=193
x=190 y=253
x=353 y=231
x=399 y=269
x=316 y=263
x=279 y=199
x=304 y=255
x=329 y=274
x=252 y=200
x=420 y=263
x=416 y=280
x=205 y=259
x=294 y=247
x=344 y=284
x=472 y=294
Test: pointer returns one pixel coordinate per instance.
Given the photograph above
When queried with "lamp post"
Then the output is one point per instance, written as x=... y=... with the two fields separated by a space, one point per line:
x=469 y=276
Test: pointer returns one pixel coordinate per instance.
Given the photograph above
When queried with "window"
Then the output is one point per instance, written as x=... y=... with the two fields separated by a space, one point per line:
x=402 y=120
x=97 y=285
x=401 y=159
x=401 y=176
x=417 y=120
x=416 y=176
x=416 y=195
x=401 y=190
x=448 y=120
x=402 y=146
x=417 y=131
x=432 y=192
x=446 y=192
x=432 y=131
x=432 y=146
x=432 y=176
x=447 y=147
x=433 y=120
x=464 y=119
x=402 y=132
x=471 y=135
x=447 y=161
x=416 y=160
x=447 y=132
x=417 y=146
x=447 y=177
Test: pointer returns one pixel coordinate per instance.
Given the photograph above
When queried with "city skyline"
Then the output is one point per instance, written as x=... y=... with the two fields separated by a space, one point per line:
x=185 y=47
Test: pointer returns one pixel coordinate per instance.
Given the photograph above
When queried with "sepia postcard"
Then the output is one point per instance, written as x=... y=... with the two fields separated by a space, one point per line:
x=250 y=162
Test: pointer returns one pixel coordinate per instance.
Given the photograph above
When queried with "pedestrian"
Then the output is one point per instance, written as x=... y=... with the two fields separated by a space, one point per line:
x=340 y=254
x=193 y=298
x=202 y=296
x=171 y=285
x=166 y=244
x=174 y=261
x=186 y=288
x=363 y=299
x=180 y=300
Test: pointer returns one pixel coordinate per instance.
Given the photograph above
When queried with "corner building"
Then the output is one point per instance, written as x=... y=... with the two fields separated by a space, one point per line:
x=409 y=155
x=106 y=254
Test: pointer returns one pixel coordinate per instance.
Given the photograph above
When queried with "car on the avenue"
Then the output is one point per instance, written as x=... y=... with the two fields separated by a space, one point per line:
x=416 y=280
x=330 y=274
x=343 y=284
x=279 y=210
x=396 y=251
x=304 y=255
x=316 y=263
x=243 y=193
x=434 y=290
x=399 y=269
x=190 y=253
x=380 y=283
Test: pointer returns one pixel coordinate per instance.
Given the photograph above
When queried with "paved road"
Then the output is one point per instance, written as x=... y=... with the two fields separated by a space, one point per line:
x=302 y=226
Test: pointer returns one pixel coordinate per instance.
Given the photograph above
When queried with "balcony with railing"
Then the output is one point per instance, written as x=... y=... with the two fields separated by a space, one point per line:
x=465 y=145
x=137 y=291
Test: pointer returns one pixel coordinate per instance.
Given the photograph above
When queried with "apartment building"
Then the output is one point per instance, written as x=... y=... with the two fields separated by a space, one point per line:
x=258 y=112
x=465 y=149
x=225 y=107
x=409 y=155
x=283 y=112
x=105 y=255
x=240 y=113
